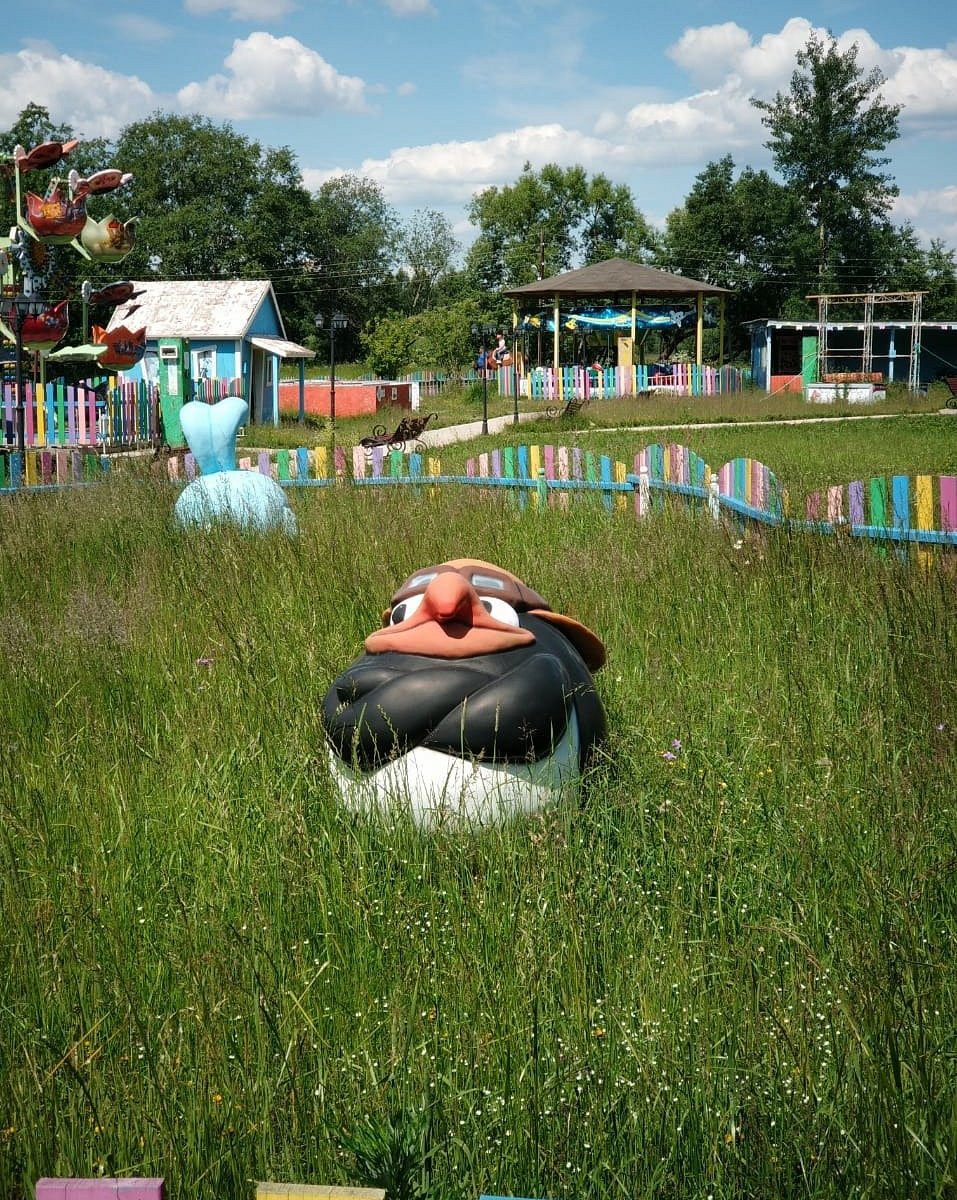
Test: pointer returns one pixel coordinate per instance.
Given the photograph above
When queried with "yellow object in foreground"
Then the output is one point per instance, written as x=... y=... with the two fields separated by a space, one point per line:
x=315 y=1191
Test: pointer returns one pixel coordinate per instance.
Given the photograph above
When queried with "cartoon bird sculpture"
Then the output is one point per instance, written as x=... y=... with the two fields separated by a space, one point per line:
x=473 y=702
x=221 y=494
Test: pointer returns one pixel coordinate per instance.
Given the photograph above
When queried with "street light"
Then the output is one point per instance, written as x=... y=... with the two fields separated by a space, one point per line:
x=337 y=321
x=480 y=333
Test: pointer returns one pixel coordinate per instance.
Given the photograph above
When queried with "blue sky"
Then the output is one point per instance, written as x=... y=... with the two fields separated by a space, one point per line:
x=436 y=99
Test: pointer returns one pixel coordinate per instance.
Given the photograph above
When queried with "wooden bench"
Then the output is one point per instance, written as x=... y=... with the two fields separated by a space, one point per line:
x=950 y=381
x=409 y=429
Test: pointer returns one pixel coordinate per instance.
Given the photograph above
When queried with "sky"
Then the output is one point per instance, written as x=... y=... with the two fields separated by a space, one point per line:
x=438 y=99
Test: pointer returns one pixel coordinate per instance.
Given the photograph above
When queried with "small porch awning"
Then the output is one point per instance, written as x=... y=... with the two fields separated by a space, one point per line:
x=281 y=348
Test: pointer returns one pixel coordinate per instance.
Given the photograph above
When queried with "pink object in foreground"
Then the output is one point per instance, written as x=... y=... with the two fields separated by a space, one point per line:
x=100 y=1189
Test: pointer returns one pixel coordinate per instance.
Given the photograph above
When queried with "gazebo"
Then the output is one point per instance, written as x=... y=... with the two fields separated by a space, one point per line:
x=620 y=281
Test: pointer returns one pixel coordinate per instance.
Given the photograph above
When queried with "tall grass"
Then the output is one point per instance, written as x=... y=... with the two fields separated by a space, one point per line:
x=728 y=972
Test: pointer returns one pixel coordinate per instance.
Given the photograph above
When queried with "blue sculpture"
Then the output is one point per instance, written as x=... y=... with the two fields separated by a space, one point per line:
x=222 y=493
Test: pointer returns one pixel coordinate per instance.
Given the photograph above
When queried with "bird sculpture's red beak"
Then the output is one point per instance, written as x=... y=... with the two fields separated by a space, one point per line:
x=451 y=622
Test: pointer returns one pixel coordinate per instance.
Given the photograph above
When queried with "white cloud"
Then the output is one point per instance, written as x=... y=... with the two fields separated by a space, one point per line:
x=724 y=56
x=932 y=212
x=270 y=76
x=95 y=101
x=712 y=53
x=453 y=171
x=242 y=10
x=925 y=82
x=410 y=8
x=407 y=89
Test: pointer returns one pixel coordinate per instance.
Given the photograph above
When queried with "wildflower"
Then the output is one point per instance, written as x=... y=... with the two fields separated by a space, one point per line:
x=204 y=661
x=676 y=745
x=217 y=1098
x=598 y=1032
x=668 y=756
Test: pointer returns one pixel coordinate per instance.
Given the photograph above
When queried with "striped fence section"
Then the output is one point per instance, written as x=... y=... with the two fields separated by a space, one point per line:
x=100 y=1188
x=211 y=390
x=545 y=385
x=897 y=508
x=61 y=414
x=921 y=510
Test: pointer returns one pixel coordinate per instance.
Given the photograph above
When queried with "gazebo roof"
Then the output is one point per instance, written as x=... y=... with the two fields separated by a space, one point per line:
x=614 y=277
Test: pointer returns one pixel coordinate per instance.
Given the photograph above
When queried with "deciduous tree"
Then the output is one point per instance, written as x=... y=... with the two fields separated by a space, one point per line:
x=828 y=135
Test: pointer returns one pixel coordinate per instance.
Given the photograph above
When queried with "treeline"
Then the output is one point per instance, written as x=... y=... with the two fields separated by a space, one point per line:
x=213 y=203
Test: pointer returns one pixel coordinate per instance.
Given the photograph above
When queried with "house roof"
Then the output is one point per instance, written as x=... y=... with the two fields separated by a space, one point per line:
x=615 y=276
x=813 y=326
x=195 y=308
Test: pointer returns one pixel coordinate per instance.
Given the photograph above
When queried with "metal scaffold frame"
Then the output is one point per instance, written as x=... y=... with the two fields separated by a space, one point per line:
x=869 y=301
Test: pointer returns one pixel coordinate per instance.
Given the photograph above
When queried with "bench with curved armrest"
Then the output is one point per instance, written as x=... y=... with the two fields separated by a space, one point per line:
x=408 y=430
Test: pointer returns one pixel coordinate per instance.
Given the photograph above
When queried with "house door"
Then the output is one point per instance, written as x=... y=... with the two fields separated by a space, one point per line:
x=261 y=387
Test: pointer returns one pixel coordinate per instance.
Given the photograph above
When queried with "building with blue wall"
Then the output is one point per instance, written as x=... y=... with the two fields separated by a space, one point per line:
x=784 y=354
x=232 y=328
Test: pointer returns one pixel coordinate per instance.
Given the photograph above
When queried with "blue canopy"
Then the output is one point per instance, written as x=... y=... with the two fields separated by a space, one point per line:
x=658 y=317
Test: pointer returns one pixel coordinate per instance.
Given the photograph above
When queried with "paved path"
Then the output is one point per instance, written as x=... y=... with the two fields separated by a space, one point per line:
x=433 y=438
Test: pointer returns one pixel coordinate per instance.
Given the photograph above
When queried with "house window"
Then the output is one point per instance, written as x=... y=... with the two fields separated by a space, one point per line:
x=151 y=367
x=204 y=363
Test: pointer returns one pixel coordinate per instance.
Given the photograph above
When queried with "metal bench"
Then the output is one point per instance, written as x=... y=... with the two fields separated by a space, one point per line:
x=571 y=408
x=409 y=429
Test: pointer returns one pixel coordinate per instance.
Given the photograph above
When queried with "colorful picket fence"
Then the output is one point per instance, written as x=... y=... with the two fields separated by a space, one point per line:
x=132 y=1188
x=548 y=386
x=900 y=509
x=211 y=390
x=60 y=414
x=922 y=510
x=62 y=467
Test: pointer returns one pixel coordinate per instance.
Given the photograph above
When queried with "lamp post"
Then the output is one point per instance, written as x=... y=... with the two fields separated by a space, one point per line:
x=337 y=321
x=480 y=333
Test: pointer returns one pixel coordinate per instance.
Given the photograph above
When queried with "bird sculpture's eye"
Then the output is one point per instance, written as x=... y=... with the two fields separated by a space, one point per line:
x=405 y=609
x=500 y=609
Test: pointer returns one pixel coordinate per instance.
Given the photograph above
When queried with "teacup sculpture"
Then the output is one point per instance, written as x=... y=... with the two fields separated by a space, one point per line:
x=472 y=703
x=221 y=493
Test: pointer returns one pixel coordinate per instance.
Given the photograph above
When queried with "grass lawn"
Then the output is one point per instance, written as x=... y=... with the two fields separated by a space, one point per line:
x=727 y=974
x=457 y=406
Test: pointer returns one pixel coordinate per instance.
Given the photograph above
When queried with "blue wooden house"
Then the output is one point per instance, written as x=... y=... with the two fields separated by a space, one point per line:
x=232 y=333
x=785 y=355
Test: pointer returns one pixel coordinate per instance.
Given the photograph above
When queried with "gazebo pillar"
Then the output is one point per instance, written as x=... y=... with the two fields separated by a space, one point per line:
x=556 y=340
x=699 y=331
x=634 y=325
x=721 y=330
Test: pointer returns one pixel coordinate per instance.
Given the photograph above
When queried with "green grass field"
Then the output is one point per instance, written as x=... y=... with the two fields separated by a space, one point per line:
x=456 y=406
x=727 y=975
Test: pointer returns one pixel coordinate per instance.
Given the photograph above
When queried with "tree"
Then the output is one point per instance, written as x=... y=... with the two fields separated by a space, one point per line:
x=202 y=192
x=427 y=247
x=612 y=226
x=748 y=234
x=546 y=221
x=352 y=250
x=439 y=337
x=827 y=138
